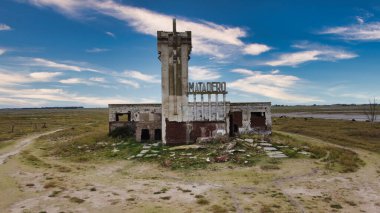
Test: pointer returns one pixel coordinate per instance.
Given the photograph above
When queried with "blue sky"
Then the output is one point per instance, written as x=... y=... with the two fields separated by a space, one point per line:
x=94 y=52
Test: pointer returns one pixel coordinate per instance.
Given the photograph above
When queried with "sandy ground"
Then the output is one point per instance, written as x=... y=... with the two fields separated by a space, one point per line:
x=300 y=185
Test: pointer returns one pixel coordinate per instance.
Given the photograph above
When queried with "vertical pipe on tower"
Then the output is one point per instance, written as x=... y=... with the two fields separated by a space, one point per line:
x=209 y=107
x=224 y=105
x=195 y=107
x=203 y=111
x=216 y=107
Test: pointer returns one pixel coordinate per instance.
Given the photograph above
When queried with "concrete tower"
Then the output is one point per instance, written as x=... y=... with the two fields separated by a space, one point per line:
x=174 y=53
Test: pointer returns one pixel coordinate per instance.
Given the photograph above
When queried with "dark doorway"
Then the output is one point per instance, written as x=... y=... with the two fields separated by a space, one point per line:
x=157 y=134
x=145 y=134
x=236 y=121
x=258 y=120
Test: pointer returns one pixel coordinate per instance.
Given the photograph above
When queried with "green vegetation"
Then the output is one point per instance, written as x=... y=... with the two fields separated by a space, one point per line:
x=203 y=201
x=336 y=158
x=76 y=200
x=363 y=135
x=122 y=132
x=218 y=209
x=16 y=123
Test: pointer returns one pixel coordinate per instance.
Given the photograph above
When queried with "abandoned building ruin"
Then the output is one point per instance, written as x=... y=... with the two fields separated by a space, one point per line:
x=182 y=118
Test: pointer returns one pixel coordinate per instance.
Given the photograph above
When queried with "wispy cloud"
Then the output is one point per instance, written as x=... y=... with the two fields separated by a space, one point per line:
x=4 y=27
x=201 y=73
x=110 y=34
x=29 y=97
x=141 y=76
x=40 y=62
x=97 y=50
x=74 y=81
x=89 y=81
x=311 y=52
x=208 y=38
x=360 y=32
x=98 y=79
x=9 y=78
x=44 y=76
x=270 y=85
x=2 y=51
x=129 y=83
x=255 y=49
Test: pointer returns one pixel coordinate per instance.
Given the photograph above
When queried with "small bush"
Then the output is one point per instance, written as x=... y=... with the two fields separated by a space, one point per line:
x=123 y=132
x=76 y=200
x=218 y=209
x=269 y=167
x=203 y=201
x=336 y=206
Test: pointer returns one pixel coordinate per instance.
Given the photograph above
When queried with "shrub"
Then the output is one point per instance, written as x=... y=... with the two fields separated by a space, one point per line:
x=123 y=132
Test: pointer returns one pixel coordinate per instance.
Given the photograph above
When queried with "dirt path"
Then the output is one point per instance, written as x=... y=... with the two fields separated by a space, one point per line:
x=22 y=143
x=362 y=186
x=299 y=185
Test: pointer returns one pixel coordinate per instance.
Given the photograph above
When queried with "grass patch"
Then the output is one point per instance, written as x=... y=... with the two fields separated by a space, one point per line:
x=203 y=201
x=218 y=209
x=165 y=198
x=338 y=159
x=31 y=159
x=336 y=206
x=76 y=200
x=28 y=121
x=50 y=184
x=267 y=167
x=363 y=135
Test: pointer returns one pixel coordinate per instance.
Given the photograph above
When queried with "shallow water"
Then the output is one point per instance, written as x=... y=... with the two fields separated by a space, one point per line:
x=338 y=116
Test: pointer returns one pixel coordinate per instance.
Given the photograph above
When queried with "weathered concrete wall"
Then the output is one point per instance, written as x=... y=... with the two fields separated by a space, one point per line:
x=207 y=129
x=247 y=109
x=206 y=112
x=143 y=116
x=174 y=52
x=148 y=116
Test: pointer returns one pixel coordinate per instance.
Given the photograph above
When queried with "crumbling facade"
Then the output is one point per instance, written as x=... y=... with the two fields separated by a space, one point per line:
x=189 y=110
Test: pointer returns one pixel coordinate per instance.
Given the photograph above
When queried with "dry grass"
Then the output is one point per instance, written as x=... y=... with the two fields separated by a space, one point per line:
x=336 y=158
x=346 y=133
x=27 y=121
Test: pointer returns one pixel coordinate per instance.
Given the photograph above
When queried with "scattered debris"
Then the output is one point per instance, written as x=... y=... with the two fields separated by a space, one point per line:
x=185 y=147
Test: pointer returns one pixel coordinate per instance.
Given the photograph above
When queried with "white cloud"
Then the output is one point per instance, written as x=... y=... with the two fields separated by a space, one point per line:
x=44 y=76
x=199 y=73
x=130 y=83
x=98 y=79
x=255 y=49
x=38 y=97
x=2 y=51
x=360 y=32
x=74 y=81
x=40 y=62
x=97 y=50
x=311 y=52
x=9 y=78
x=269 y=85
x=292 y=59
x=141 y=76
x=4 y=27
x=360 y=19
x=110 y=34
x=275 y=71
x=208 y=38
x=17 y=102
x=357 y=96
